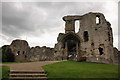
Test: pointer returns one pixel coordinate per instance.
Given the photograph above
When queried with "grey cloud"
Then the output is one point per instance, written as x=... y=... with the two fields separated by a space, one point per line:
x=40 y=16
x=119 y=18
x=57 y=10
x=14 y=22
x=119 y=25
x=24 y=20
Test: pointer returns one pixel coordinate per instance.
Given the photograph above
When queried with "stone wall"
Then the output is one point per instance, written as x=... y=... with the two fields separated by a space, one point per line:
x=41 y=54
x=20 y=49
x=94 y=40
x=100 y=39
x=22 y=52
x=116 y=56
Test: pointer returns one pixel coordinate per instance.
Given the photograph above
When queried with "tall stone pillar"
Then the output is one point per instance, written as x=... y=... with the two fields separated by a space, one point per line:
x=77 y=51
x=69 y=26
x=66 y=50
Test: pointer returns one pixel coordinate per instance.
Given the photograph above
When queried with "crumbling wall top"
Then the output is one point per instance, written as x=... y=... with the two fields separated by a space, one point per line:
x=72 y=17
x=79 y=17
x=19 y=42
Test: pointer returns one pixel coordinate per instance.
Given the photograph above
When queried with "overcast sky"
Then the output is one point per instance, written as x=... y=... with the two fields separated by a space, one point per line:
x=40 y=22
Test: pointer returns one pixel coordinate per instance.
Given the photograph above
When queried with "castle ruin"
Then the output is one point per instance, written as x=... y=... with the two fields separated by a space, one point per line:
x=93 y=41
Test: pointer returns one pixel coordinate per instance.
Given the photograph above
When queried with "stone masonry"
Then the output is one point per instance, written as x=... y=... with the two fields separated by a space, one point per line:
x=94 y=40
x=22 y=52
x=41 y=54
x=20 y=49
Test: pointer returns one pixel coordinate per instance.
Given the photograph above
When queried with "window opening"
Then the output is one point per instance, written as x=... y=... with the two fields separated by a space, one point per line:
x=97 y=19
x=100 y=51
x=18 y=53
x=77 y=25
x=86 y=36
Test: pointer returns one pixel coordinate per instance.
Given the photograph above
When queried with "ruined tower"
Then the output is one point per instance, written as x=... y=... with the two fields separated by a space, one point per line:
x=20 y=49
x=94 y=39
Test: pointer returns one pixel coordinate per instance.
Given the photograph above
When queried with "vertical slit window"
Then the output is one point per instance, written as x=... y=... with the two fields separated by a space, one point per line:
x=86 y=37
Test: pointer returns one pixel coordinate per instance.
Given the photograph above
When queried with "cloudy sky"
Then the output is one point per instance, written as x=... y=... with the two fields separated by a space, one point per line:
x=40 y=22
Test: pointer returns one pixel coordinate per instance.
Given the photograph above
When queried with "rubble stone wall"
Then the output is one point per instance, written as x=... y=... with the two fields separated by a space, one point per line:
x=41 y=54
x=20 y=49
x=95 y=38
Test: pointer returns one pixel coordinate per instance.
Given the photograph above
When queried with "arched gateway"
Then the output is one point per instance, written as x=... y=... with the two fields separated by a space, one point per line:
x=70 y=44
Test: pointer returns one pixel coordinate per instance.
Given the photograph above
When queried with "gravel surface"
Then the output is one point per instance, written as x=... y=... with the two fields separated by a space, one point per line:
x=29 y=66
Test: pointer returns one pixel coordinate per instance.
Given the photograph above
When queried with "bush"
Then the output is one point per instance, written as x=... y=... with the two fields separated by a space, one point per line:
x=7 y=55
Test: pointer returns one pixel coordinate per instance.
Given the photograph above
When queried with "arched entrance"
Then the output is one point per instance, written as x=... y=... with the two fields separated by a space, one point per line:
x=71 y=43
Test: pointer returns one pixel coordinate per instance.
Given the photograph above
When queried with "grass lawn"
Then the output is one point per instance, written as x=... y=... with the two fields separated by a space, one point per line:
x=72 y=69
x=4 y=72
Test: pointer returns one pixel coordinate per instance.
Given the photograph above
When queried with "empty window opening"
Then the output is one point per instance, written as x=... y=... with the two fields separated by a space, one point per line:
x=85 y=34
x=96 y=29
x=23 y=52
x=77 y=25
x=25 y=56
x=97 y=19
x=18 y=53
x=100 y=51
x=92 y=44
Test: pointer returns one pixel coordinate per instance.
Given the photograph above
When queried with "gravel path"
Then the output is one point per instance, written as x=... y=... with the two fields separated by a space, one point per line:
x=35 y=66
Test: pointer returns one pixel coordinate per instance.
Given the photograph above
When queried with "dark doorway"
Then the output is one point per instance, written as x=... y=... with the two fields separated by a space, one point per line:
x=18 y=52
x=101 y=51
x=71 y=44
x=71 y=49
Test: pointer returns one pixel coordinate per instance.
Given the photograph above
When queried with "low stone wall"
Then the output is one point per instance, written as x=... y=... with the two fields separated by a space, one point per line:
x=101 y=60
x=41 y=54
x=116 y=56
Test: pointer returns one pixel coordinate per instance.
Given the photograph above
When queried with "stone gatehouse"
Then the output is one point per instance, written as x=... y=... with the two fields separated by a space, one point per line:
x=93 y=42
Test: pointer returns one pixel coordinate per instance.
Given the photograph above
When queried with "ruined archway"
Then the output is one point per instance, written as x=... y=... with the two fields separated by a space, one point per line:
x=70 y=45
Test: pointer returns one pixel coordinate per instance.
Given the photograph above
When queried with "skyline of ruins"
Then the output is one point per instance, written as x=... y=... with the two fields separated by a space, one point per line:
x=37 y=21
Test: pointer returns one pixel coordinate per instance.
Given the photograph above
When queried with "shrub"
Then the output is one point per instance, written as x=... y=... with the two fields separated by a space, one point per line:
x=7 y=55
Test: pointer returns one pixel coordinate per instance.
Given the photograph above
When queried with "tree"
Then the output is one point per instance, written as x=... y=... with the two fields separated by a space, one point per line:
x=7 y=55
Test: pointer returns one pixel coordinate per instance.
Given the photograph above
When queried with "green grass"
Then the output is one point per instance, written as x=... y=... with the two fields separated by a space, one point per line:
x=72 y=69
x=4 y=72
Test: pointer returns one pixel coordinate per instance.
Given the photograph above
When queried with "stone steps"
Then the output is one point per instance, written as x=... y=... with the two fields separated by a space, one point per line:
x=27 y=75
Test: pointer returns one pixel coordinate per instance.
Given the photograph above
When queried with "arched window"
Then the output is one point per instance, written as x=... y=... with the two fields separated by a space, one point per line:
x=77 y=25
x=85 y=35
